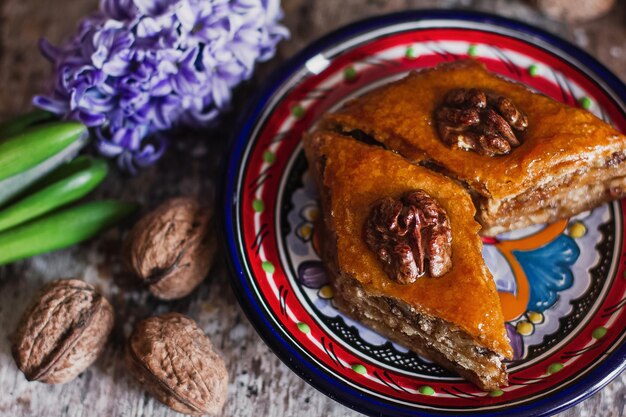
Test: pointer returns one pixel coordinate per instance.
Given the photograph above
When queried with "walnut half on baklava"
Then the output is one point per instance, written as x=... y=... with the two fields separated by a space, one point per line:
x=525 y=158
x=402 y=249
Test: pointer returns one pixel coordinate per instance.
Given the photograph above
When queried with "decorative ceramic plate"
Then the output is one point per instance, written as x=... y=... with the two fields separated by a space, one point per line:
x=562 y=286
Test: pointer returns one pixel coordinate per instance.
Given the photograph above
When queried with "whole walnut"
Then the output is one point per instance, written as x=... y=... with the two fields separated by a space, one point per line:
x=62 y=332
x=174 y=360
x=578 y=11
x=172 y=248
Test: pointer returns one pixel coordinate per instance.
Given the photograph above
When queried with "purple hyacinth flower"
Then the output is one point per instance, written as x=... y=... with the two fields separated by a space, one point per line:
x=139 y=67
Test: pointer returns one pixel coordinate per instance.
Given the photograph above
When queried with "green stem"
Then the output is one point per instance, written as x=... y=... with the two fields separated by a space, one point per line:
x=61 y=229
x=67 y=184
x=20 y=123
x=33 y=146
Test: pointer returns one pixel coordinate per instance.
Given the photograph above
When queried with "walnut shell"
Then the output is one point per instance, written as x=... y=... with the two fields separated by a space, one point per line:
x=583 y=9
x=63 y=332
x=175 y=361
x=172 y=248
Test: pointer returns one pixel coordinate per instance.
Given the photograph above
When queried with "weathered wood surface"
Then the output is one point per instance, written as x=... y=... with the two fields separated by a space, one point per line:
x=260 y=384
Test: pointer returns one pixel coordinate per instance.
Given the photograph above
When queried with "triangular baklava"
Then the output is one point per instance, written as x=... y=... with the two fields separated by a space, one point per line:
x=403 y=251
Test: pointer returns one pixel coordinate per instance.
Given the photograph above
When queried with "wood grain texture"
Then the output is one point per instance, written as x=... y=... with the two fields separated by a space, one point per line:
x=260 y=384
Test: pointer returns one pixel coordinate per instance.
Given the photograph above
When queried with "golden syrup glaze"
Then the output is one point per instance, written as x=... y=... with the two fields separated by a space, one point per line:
x=355 y=176
x=559 y=138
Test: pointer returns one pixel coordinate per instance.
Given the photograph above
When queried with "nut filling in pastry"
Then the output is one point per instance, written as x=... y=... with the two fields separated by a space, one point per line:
x=524 y=157
x=401 y=247
x=426 y=335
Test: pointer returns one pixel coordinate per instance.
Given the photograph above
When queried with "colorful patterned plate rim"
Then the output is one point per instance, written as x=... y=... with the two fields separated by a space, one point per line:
x=563 y=286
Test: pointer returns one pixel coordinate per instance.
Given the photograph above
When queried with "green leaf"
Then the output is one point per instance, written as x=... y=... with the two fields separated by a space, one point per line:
x=61 y=229
x=67 y=184
x=21 y=123
x=33 y=146
x=16 y=184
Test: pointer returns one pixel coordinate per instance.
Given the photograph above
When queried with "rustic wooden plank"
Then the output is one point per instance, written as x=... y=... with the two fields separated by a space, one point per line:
x=260 y=384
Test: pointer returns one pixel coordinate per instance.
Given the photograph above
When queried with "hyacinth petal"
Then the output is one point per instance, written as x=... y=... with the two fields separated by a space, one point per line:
x=49 y=51
x=148 y=27
x=147 y=157
x=153 y=7
x=125 y=163
x=186 y=15
x=126 y=138
x=272 y=8
x=203 y=116
x=161 y=88
x=164 y=110
x=220 y=93
x=86 y=117
x=93 y=101
x=279 y=31
x=107 y=148
x=99 y=56
x=118 y=9
x=246 y=57
x=50 y=104
x=115 y=67
x=151 y=152
x=248 y=36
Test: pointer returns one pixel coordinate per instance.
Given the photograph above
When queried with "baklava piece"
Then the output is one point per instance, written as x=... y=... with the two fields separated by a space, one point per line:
x=402 y=248
x=525 y=158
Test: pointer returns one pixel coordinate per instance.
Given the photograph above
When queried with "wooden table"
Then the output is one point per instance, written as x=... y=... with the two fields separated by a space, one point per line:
x=260 y=384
